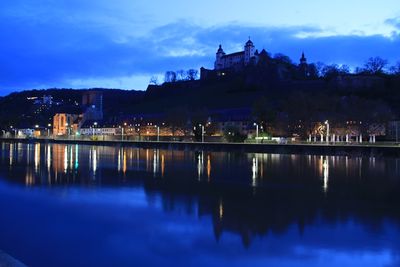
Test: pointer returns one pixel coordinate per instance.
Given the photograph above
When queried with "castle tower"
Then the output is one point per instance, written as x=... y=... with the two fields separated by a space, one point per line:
x=303 y=60
x=219 y=64
x=249 y=51
x=303 y=66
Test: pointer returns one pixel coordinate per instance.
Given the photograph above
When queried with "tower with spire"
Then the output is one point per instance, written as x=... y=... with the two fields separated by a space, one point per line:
x=249 y=51
x=219 y=62
x=303 y=66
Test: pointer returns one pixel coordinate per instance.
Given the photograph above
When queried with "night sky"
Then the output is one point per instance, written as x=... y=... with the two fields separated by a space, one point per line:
x=122 y=43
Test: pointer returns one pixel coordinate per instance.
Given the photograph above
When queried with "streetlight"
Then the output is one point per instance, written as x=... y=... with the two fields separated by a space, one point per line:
x=158 y=133
x=327 y=131
x=255 y=124
x=15 y=131
x=94 y=125
x=48 y=129
x=202 y=133
x=123 y=130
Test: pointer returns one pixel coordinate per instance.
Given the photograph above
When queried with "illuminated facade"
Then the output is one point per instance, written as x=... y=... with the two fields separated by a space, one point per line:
x=66 y=124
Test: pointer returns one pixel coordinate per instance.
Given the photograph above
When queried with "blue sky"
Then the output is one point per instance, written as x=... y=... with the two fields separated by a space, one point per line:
x=122 y=43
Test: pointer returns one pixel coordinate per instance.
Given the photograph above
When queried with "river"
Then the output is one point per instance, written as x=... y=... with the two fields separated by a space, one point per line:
x=83 y=205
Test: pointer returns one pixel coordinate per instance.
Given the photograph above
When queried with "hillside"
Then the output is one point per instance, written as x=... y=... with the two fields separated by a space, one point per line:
x=286 y=101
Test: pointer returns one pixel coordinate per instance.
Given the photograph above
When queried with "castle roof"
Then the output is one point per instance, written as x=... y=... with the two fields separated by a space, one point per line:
x=234 y=54
x=249 y=42
x=263 y=53
x=220 y=50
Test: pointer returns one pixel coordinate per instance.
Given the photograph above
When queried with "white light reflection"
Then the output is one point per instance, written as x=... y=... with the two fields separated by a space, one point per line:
x=11 y=156
x=156 y=161
x=94 y=161
x=48 y=159
x=37 y=157
x=200 y=165
x=325 y=166
x=254 y=171
x=71 y=158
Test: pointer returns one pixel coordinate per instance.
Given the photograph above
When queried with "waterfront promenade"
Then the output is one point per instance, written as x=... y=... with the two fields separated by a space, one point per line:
x=364 y=149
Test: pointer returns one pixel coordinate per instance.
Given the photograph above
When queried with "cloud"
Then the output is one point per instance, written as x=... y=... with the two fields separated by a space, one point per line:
x=395 y=22
x=62 y=47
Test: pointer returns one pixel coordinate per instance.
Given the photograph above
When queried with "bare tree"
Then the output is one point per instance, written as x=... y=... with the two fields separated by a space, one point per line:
x=180 y=75
x=375 y=65
x=170 y=77
x=282 y=59
x=359 y=70
x=330 y=71
x=319 y=66
x=344 y=69
x=395 y=70
x=153 y=80
x=192 y=74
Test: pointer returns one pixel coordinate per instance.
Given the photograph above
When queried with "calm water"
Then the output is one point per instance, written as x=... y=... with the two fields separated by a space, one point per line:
x=74 y=205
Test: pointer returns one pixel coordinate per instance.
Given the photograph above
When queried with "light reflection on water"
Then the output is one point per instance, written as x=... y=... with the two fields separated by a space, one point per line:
x=339 y=208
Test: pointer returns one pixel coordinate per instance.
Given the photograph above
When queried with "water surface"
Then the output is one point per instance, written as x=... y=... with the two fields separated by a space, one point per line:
x=77 y=205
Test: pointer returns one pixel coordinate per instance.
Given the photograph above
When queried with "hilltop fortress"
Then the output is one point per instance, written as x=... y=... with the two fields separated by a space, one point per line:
x=235 y=62
x=243 y=58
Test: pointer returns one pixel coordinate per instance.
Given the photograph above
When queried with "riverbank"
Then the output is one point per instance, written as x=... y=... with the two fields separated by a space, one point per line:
x=294 y=148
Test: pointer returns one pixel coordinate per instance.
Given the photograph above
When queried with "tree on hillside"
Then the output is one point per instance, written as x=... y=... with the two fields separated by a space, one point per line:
x=344 y=69
x=375 y=65
x=180 y=75
x=395 y=70
x=319 y=66
x=330 y=71
x=170 y=77
x=153 y=80
x=282 y=59
x=192 y=75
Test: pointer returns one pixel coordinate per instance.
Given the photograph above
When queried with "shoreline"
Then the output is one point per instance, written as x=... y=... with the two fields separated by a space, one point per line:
x=295 y=148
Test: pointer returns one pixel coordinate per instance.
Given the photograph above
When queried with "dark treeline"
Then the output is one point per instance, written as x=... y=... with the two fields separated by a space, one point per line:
x=176 y=76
